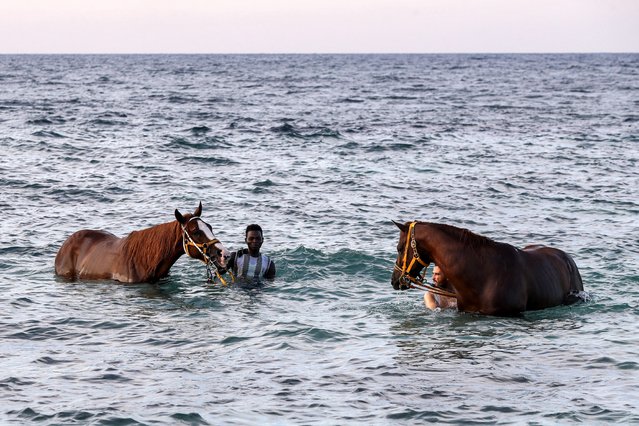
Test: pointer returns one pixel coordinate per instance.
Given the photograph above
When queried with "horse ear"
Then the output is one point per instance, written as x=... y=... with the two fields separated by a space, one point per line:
x=179 y=217
x=198 y=211
x=401 y=226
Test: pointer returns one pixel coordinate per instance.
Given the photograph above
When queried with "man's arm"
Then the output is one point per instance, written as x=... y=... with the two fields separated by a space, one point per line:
x=429 y=301
x=270 y=273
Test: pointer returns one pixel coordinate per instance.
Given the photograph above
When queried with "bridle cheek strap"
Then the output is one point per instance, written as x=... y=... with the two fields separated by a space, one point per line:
x=406 y=268
x=202 y=248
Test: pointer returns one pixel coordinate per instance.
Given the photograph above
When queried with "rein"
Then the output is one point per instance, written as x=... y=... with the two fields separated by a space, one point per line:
x=433 y=289
x=418 y=281
x=203 y=249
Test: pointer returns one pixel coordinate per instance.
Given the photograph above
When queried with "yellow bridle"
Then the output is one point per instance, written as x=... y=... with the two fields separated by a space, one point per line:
x=203 y=249
x=406 y=267
x=405 y=280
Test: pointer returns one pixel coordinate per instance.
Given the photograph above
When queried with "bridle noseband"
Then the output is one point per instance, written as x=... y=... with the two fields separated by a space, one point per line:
x=406 y=281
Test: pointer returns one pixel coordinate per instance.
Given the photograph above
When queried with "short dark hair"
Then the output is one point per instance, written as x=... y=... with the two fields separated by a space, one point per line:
x=253 y=227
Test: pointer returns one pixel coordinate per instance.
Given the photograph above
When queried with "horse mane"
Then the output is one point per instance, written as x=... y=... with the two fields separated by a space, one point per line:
x=465 y=236
x=151 y=245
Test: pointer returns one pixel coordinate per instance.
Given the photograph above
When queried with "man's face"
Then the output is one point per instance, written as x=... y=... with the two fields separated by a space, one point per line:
x=254 y=241
x=438 y=277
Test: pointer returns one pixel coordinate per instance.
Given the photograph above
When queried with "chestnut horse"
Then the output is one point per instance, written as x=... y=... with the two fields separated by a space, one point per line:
x=142 y=256
x=488 y=277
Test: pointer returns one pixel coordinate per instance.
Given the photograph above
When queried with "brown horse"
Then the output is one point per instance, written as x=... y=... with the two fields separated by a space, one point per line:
x=488 y=277
x=142 y=256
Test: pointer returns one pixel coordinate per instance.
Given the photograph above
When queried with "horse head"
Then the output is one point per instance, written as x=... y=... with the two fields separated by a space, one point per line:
x=408 y=264
x=199 y=241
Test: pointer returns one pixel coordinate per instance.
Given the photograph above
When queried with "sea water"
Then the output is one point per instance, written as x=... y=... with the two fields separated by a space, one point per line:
x=322 y=151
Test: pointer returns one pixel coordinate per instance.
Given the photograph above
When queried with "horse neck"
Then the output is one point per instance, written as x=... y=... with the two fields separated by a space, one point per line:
x=456 y=251
x=155 y=249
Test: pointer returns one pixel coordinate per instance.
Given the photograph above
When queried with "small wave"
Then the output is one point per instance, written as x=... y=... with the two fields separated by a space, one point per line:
x=580 y=90
x=260 y=190
x=108 y=377
x=75 y=194
x=312 y=334
x=420 y=88
x=48 y=134
x=349 y=145
x=113 y=114
x=13 y=382
x=324 y=132
x=15 y=103
x=47 y=120
x=401 y=98
x=208 y=160
x=628 y=365
x=22 y=301
x=397 y=146
x=174 y=99
x=285 y=128
x=309 y=132
x=199 y=130
x=189 y=418
x=209 y=142
x=51 y=361
x=44 y=333
x=265 y=183
x=106 y=122
x=109 y=325
x=584 y=296
x=350 y=101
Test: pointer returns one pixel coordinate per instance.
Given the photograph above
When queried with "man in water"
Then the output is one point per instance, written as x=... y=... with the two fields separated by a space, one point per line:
x=436 y=301
x=248 y=264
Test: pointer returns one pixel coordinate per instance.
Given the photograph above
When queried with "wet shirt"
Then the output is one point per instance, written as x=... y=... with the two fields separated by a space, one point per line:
x=250 y=268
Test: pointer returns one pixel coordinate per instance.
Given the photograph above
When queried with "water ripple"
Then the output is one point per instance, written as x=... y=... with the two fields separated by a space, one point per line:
x=322 y=151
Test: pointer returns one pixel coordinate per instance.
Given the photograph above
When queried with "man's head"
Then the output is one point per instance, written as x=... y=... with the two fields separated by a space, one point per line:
x=254 y=239
x=438 y=276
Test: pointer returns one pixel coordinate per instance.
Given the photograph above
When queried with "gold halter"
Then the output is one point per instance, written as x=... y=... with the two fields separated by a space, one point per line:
x=405 y=280
x=406 y=267
x=203 y=249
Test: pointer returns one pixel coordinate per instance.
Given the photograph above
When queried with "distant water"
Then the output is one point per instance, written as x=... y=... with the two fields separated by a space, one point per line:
x=322 y=151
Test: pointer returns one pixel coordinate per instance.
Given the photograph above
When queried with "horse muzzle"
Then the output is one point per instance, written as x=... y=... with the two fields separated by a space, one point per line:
x=217 y=254
x=399 y=281
x=402 y=280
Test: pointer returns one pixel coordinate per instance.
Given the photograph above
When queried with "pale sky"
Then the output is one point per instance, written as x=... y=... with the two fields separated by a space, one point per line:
x=318 y=26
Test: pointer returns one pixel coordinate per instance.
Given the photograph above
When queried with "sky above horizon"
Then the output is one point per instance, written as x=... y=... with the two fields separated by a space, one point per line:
x=318 y=26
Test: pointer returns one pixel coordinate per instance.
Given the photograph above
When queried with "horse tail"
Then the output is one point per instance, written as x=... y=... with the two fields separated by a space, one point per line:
x=576 y=283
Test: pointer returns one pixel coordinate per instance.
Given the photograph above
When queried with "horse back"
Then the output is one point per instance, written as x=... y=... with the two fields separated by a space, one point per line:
x=85 y=253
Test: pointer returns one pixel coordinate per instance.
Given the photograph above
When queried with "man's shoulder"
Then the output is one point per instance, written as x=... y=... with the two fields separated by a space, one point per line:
x=239 y=253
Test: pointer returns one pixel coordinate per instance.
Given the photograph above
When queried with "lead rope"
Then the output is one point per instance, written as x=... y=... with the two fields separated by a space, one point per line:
x=211 y=275
x=432 y=289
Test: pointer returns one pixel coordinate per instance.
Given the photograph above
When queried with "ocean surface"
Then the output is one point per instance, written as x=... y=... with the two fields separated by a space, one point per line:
x=323 y=151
